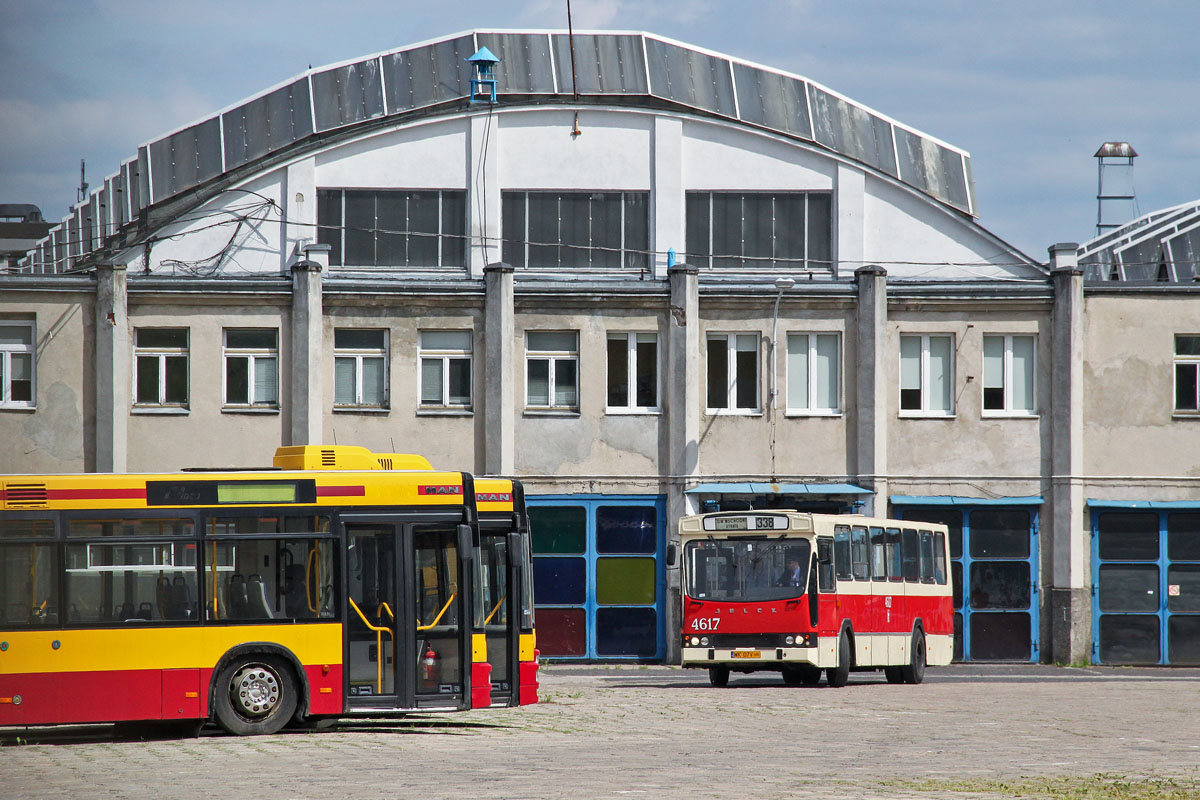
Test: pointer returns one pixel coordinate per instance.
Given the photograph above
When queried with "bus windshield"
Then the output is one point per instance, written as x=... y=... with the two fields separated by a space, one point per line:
x=747 y=570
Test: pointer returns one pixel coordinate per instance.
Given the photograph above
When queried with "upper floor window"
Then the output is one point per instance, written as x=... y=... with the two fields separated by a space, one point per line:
x=360 y=374
x=552 y=369
x=771 y=232
x=927 y=375
x=16 y=364
x=554 y=230
x=732 y=372
x=445 y=369
x=632 y=372
x=1009 y=375
x=1187 y=373
x=160 y=367
x=251 y=368
x=378 y=228
x=813 y=380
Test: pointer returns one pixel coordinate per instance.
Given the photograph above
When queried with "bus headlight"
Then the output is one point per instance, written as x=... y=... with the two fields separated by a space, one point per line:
x=695 y=641
x=789 y=640
x=704 y=641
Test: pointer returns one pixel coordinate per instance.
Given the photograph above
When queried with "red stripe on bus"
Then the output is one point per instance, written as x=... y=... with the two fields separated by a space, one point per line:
x=96 y=494
x=341 y=491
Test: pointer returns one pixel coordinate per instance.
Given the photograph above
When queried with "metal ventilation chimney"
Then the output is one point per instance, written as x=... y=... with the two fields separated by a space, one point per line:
x=1116 y=202
x=483 y=84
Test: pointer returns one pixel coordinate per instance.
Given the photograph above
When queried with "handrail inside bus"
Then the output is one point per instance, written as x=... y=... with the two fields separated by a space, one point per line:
x=312 y=581
x=378 y=643
x=439 y=616
x=213 y=564
x=494 y=610
x=385 y=607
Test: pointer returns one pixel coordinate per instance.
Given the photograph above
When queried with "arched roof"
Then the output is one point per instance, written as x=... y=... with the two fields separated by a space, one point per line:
x=432 y=77
x=1162 y=246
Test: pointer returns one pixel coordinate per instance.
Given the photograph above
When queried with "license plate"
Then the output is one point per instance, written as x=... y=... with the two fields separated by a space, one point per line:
x=746 y=654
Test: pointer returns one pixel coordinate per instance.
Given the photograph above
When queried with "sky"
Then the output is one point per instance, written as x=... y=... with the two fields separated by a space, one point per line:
x=1029 y=89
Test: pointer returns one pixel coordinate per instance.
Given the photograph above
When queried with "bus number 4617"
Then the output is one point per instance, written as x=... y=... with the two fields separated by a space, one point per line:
x=705 y=623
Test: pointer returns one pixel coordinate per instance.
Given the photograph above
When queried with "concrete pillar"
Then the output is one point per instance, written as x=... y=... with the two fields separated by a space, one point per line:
x=681 y=403
x=307 y=374
x=500 y=369
x=870 y=412
x=667 y=230
x=483 y=196
x=299 y=224
x=849 y=215
x=112 y=368
x=1070 y=599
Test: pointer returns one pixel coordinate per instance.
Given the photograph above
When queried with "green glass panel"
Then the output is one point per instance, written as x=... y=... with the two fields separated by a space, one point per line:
x=625 y=581
x=558 y=529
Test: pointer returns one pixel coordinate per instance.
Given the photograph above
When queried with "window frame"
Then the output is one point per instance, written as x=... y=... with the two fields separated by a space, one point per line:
x=925 y=410
x=631 y=364
x=253 y=356
x=731 y=389
x=1185 y=360
x=1007 y=377
x=162 y=354
x=452 y=251
x=445 y=355
x=7 y=351
x=359 y=354
x=517 y=247
x=552 y=357
x=700 y=239
x=811 y=409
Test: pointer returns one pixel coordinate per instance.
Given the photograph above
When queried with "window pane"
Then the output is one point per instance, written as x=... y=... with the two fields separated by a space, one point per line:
x=329 y=223
x=454 y=222
x=21 y=380
x=820 y=231
x=1128 y=537
x=177 y=379
x=637 y=229
x=697 y=229
x=257 y=338
x=264 y=380
x=1185 y=578
x=727 y=230
x=161 y=337
x=147 y=379
x=625 y=632
x=344 y=380
x=827 y=372
x=1000 y=637
x=552 y=341
x=1000 y=584
x=1000 y=534
x=940 y=375
x=16 y=335
x=237 y=379
x=1185 y=387
x=618 y=371
x=460 y=381
x=1183 y=537
x=1022 y=373
x=446 y=340
x=647 y=371
x=1129 y=639
x=537 y=383
x=993 y=373
x=431 y=381
x=374 y=388
x=1128 y=587
x=562 y=631
x=558 y=529
x=625 y=581
x=424 y=208
x=747 y=378
x=626 y=529
x=360 y=228
x=797 y=370
x=28 y=585
x=910 y=373
x=718 y=372
x=1187 y=345
x=359 y=339
x=565 y=393
x=512 y=212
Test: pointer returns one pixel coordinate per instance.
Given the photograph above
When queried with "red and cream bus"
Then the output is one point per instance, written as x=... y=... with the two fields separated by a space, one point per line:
x=340 y=582
x=801 y=593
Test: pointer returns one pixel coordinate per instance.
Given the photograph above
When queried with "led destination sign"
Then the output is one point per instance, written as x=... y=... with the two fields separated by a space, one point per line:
x=216 y=493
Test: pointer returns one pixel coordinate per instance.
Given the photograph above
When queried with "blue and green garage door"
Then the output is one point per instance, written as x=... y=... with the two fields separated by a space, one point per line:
x=598 y=578
x=1145 y=582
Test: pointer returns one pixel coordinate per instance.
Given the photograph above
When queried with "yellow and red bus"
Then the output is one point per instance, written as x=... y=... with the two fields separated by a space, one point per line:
x=802 y=593
x=339 y=582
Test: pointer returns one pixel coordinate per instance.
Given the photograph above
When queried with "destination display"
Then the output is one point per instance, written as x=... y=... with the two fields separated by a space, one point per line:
x=747 y=522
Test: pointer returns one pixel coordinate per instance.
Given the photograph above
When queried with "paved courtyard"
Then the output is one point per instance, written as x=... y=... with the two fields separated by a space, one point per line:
x=662 y=732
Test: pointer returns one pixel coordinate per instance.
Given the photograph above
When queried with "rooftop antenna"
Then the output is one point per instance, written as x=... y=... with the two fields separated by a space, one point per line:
x=81 y=193
x=1116 y=203
x=574 y=87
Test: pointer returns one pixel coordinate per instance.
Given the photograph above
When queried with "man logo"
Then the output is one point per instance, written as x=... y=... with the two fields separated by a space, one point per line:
x=425 y=490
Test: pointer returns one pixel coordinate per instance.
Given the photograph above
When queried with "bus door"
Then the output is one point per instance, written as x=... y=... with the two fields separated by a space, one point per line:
x=501 y=611
x=407 y=614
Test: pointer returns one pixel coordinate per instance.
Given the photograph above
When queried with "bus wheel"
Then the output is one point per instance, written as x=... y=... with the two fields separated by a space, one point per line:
x=894 y=674
x=914 y=672
x=840 y=675
x=801 y=676
x=718 y=676
x=255 y=695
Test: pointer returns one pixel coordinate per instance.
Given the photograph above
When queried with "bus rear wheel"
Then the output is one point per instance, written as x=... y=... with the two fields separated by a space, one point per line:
x=255 y=695
x=839 y=676
x=914 y=671
x=718 y=676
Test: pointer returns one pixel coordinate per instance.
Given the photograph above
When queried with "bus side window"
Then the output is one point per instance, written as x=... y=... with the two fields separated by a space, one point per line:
x=859 y=554
x=926 y=557
x=939 y=558
x=910 y=555
x=893 y=555
x=841 y=551
x=878 y=555
x=825 y=570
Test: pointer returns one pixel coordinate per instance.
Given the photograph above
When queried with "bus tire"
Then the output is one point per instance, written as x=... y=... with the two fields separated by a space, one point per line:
x=255 y=694
x=914 y=671
x=839 y=676
x=718 y=676
x=894 y=674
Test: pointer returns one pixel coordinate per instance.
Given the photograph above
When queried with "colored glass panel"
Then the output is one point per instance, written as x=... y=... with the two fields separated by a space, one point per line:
x=559 y=581
x=1000 y=534
x=623 y=632
x=1183 y=639
x=562 y=631
x=1000 y=637
x=626 y=529
x=624 y=581
x=1128 y=537
x=558 y=529
x=1129 y=639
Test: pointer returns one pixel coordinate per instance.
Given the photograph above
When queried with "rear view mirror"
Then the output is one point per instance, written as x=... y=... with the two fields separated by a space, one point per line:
x=466 y=543
x=672 y=554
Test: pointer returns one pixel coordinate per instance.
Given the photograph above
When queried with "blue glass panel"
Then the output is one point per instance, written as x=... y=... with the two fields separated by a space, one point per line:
x=627 y=632
x=559 y=581
x=626 y=529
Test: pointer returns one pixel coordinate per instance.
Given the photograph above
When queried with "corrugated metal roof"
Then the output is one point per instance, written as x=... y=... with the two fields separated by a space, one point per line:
x=1179 y=505
x=950 y=500
x=756 y=488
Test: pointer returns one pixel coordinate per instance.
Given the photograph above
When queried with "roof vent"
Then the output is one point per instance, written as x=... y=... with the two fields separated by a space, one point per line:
x=328 y=458
x=25 y=495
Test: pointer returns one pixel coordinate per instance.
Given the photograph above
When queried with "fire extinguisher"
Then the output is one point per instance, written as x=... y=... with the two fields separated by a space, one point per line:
x=429 y=668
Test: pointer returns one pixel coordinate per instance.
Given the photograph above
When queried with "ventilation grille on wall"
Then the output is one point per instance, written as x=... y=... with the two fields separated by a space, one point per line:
x=25 y=495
